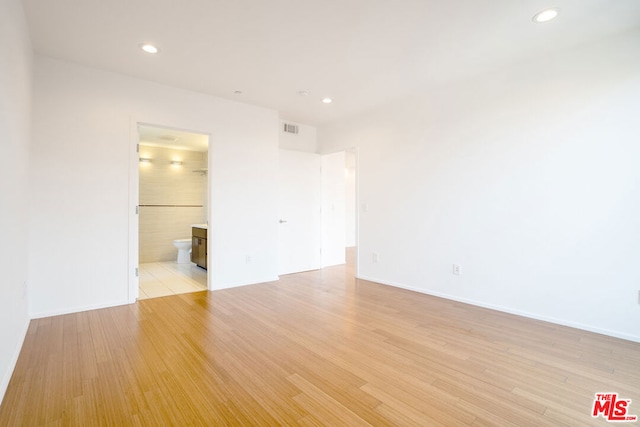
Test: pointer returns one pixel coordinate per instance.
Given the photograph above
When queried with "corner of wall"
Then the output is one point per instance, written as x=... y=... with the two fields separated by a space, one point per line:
x=14 y=360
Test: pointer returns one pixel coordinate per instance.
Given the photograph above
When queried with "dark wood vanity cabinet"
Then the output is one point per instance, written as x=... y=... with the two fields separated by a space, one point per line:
x=199 y=246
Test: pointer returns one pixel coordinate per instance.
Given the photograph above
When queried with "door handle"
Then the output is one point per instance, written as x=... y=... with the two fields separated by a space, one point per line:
x=282 y=221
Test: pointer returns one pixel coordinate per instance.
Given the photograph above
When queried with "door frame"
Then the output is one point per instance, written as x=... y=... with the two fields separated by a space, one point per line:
x=357 y=210
x=134 y=197
x=356 y=151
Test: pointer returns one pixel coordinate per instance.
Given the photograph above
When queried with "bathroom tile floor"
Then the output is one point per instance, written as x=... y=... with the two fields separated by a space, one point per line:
x=159 y=279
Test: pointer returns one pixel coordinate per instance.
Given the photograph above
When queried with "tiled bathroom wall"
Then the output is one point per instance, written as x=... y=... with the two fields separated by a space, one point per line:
x=172 y=197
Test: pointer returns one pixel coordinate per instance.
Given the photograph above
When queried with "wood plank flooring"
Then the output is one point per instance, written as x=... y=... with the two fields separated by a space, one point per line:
x=315 y=348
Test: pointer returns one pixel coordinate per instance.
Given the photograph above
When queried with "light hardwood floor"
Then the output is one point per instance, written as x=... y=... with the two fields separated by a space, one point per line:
x=316 y=348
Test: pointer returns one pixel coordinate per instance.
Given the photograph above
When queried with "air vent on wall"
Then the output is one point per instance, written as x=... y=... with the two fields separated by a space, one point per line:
x=289 y=128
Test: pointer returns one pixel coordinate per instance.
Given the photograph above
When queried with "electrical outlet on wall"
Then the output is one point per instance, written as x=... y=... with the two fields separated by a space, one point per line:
x=247 y=259
x=457 y=269
x=374 y=257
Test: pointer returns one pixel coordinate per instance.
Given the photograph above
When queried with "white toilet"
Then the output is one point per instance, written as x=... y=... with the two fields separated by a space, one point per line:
x=184 y=250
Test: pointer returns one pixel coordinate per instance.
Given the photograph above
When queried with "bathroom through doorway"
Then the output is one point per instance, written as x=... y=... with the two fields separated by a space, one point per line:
x=173 y=207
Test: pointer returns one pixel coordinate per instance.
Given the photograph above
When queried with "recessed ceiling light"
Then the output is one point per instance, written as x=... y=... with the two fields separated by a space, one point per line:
x=149 y=48
x=303 y=92
x=546 y=15
x=237 y=92
x=327 y=100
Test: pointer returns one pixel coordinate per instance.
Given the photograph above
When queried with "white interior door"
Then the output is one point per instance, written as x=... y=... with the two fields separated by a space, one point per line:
x=300 y=236
x=333 y=209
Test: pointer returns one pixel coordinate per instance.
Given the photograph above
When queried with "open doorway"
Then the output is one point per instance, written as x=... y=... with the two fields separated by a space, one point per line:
x=339 y=219
x=351 y=203
x=318 y=216
x=173 y=208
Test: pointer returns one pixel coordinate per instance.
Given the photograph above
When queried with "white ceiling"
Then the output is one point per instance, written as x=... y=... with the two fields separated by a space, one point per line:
x=359 y=52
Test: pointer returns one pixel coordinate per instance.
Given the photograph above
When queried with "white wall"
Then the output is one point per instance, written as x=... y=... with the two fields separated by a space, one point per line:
x=305 y=140
x=527 y=177
x=15 y=113
x=79 y=237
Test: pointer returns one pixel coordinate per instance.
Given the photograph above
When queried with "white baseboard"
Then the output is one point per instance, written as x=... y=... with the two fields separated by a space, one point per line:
x=556 y=321
x=243 y=283
x=14 y=361
x=39 y=315
x=77 y=309
x=334 y=262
